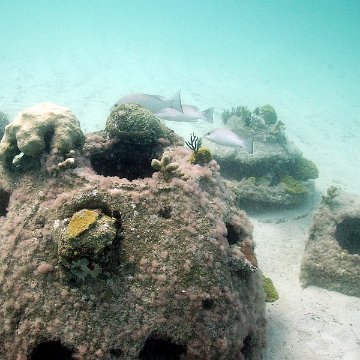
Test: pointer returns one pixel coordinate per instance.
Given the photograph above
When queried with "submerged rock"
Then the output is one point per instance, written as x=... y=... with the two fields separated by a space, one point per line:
x=332 y=253
x=103 y=267
x=132 y=123
x=275 y=175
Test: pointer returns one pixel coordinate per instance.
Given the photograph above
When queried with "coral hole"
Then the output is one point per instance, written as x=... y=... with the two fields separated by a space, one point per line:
x=246 y=349
x=116 y=353
x=208 y=304
x=124 y=161
x=161 y=349
x=4 y=201
x=348 y=234
x=53 y=350
x=232 y=236
x=165 y=212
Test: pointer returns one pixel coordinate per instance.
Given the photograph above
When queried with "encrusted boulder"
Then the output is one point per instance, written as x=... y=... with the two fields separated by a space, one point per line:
x=332 y=254
x=42 y=128
x=95 y=267
x=134 y=124
x=89 y=238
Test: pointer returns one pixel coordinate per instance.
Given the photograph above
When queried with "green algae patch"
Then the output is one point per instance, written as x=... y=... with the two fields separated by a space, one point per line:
x=270 y=291
x=305 y=169
x=80 y=222
x=293 y=186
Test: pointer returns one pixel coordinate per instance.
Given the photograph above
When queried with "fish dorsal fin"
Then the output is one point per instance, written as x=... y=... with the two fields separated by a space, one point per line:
x=175 y=102
x=248 y=145
x=208 y=115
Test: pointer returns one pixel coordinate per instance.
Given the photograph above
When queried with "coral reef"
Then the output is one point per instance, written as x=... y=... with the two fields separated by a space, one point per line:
x=332 y=254
x=283 y=176
x=109 y=267
x=42 y=128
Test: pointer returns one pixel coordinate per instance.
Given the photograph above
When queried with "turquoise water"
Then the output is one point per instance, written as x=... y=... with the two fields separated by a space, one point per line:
x=303 y=57
x=85 y=54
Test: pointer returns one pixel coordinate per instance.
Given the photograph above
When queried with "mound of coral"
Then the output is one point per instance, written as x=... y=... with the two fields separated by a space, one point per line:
x=158 y=264
x=276 y=175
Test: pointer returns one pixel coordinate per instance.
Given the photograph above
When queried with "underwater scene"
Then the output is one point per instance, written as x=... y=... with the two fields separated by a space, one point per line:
x=180 y=180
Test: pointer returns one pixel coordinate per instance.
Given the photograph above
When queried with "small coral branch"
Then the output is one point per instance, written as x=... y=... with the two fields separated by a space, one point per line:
x=194 y=144
x=331 y=193
x=165 y=166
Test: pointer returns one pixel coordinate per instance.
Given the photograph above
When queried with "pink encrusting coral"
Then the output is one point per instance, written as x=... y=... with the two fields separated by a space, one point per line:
x=175 y=276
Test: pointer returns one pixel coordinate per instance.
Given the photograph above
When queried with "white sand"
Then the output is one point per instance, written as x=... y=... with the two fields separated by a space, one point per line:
x=310 y=323
x=307 y=323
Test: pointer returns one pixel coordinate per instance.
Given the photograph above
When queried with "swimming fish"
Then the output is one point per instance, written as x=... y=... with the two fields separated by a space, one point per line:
x=226 y=137
x=189 y=114
x=153 y=103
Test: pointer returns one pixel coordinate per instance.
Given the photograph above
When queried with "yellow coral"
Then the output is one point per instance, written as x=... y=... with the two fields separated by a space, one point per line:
x=81 y=221
x=202 y=156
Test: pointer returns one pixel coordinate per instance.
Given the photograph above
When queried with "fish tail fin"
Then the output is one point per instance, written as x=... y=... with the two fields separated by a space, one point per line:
x=176 y=102
x=207 y=115
x=249 y=145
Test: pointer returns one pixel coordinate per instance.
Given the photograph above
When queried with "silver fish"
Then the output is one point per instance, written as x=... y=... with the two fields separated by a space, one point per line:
x=153 y=103
x=189 y=114
x=226 y=137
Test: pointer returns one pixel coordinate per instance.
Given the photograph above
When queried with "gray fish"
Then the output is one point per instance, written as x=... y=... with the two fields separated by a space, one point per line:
x=153 y=103
x=189 y=114
x=226 y=137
